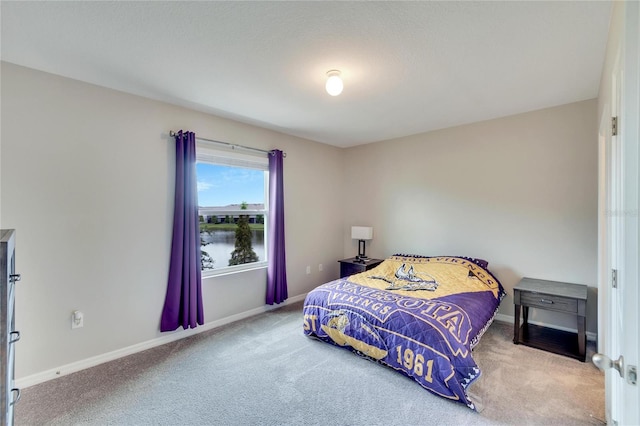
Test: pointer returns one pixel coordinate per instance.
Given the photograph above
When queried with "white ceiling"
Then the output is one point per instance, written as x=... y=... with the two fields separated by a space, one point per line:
x=408 y=67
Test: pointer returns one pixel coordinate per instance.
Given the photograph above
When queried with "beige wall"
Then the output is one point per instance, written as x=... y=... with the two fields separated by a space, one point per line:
x=87 y=175
x=87 y=181
x=519 y=191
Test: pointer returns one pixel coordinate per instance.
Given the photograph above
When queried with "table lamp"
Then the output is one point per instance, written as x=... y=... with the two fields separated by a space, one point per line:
x=361 y=233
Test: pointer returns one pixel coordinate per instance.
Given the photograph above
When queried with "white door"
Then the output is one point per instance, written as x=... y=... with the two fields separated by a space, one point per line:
x=620 y=249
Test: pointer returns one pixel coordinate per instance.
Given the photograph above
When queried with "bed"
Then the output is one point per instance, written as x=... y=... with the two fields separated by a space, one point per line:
x=419 y=315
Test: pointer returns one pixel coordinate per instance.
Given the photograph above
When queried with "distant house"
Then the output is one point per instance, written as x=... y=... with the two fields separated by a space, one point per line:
x=218 y=214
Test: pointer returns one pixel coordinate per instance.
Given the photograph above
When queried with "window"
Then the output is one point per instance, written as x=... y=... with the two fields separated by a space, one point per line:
x=232 y=208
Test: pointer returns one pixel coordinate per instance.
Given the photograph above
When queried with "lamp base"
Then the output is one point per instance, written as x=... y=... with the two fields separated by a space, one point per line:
x=361 y=257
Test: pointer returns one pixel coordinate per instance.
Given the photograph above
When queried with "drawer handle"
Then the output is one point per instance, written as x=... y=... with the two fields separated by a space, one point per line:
x=15 y=336
x=14 y=278
x=547 y=301
x=17 y=393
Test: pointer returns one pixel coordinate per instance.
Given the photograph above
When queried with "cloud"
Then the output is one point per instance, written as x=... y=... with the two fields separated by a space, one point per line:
x=203 y=186
x=239 y=175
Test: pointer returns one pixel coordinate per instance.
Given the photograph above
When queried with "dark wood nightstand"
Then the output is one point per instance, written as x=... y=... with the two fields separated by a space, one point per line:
x=353 y=266
x=553 y=296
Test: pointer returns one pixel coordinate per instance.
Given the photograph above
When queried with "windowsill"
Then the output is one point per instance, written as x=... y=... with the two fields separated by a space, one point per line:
x=234 y=269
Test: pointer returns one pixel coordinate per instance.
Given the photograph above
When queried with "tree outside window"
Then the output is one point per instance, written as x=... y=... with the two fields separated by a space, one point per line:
x=243 y=252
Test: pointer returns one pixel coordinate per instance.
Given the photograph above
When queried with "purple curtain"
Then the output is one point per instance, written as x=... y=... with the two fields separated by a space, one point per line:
x=183 y=303
x=277 y=268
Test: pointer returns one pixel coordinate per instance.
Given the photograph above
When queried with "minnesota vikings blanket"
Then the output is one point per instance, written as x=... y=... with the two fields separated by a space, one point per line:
x=418 y=315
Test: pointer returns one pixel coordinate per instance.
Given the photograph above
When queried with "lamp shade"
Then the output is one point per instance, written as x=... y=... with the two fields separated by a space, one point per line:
x=361 y=232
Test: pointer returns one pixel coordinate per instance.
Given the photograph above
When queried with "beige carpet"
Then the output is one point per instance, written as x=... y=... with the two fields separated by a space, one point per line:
x=264 y=371
x=522 y=385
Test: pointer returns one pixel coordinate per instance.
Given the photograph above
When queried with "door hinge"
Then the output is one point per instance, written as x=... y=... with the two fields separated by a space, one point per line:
x=614 y=278
x=632 y=374
x=614 y=126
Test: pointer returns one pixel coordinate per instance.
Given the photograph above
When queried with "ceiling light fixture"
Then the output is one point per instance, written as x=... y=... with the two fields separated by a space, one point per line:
x=334 y=83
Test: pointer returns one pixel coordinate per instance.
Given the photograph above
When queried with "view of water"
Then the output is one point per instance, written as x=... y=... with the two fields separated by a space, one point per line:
x=220 y=244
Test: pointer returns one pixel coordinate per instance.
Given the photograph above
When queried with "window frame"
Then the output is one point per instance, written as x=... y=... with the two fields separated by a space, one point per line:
x=222 y=156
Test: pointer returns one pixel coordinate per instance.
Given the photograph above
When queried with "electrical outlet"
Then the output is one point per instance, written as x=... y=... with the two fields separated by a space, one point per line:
x=308 y=270
x=77 y=319
x=320 y=267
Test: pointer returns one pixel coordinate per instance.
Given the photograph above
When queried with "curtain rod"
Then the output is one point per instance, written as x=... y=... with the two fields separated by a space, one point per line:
x=230 y=145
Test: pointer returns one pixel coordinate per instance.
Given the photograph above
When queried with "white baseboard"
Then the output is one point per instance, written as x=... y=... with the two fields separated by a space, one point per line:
x=73 y=367
x=592 y=337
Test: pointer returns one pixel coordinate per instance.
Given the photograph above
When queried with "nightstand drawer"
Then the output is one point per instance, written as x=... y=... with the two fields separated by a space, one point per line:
x=351 y=269
x=550 y=302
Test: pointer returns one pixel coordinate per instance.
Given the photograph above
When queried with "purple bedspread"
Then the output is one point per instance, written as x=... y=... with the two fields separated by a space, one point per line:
x=418 y=315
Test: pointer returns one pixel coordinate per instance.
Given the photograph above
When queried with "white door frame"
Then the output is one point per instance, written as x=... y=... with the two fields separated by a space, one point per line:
x=630 y=277
x=619 y=229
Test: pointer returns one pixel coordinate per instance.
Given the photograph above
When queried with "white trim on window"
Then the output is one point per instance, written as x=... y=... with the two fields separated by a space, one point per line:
x=233 y=269
x=229 y=157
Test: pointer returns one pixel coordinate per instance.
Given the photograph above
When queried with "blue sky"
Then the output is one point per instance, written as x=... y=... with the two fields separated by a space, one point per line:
x=224 y=185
